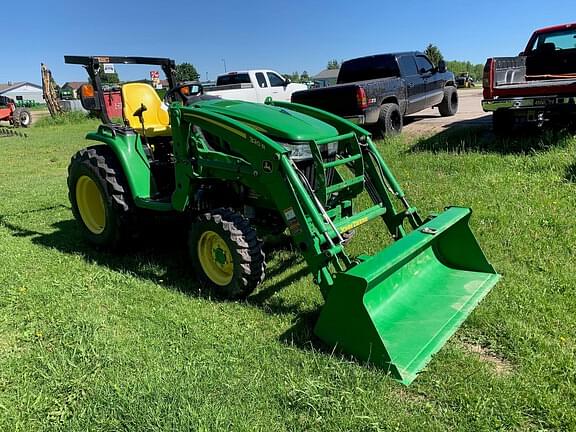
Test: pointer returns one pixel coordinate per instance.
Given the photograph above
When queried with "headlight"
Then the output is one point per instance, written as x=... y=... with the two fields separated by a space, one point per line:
x=302 y=151
x=298 y=151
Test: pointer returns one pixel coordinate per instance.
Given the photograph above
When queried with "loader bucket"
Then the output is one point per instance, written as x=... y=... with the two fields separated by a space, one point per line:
x=398 y=308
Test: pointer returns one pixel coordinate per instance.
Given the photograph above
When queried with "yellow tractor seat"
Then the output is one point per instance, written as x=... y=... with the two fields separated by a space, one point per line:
x=156 y=119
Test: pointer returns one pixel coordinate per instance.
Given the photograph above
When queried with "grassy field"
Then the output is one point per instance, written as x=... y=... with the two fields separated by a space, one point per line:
x=105 y=342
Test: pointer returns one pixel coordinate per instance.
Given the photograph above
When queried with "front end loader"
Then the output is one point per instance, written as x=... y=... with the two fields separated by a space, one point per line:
x=240 y=170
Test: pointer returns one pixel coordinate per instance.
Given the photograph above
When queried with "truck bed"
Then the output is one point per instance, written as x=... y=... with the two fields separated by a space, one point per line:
x=510 y=80
x=339 y=99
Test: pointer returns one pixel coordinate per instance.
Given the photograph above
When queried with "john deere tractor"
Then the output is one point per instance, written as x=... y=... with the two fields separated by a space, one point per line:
x=241 y=170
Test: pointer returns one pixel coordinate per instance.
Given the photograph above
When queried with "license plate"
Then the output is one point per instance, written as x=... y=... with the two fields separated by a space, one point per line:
x=543 y=101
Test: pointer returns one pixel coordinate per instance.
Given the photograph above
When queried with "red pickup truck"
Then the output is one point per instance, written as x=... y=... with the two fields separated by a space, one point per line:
x=537 y=86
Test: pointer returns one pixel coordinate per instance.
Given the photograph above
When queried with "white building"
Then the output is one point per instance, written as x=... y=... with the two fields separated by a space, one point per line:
x=22 y=91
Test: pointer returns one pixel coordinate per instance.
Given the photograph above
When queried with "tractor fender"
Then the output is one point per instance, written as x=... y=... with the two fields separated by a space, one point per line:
x=130 y=154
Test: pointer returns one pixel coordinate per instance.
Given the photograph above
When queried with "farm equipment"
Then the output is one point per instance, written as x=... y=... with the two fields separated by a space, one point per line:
x=16 y=116
x=464 y=80
x=241 y=170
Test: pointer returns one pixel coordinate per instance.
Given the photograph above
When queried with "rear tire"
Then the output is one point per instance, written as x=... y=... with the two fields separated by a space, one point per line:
x=226 y=254
x=99 y=196
x=390 y=120
x=449 y=105
x=22 y=117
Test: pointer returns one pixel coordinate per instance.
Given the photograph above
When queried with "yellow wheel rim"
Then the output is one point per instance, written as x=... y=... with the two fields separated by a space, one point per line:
x=215 y=258
x=90 y=205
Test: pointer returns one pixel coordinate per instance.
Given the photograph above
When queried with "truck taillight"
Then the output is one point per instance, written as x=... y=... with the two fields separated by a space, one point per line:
x=488 y=79
x=361 y=98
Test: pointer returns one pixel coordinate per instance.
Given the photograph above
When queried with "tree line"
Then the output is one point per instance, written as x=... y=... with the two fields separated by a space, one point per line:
x=456 y=66
x=187 y=71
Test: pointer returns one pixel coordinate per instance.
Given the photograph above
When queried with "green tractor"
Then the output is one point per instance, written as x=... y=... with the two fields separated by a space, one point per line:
x=240 y=171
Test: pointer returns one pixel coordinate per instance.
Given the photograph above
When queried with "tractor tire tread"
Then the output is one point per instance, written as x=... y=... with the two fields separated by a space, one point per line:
x=247 y=250
x=103 y=164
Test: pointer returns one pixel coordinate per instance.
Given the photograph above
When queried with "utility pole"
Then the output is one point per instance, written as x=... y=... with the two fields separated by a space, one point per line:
x=224 y=61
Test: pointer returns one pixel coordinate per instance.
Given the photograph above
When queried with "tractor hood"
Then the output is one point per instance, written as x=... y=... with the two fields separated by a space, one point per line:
x=276 y=122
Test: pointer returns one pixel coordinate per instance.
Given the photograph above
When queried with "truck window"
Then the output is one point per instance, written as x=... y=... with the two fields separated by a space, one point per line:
x=275 y=80
x=408 y=65
x=241 y=78
x=423 y=63
x=553 y=41
x=261 y=79
x=368 y=68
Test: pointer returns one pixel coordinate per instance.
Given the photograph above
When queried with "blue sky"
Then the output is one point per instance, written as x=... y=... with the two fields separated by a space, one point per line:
x=285 y=36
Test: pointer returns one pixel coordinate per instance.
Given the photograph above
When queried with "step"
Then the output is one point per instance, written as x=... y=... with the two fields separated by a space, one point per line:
x=345 y=184
x=343 y=161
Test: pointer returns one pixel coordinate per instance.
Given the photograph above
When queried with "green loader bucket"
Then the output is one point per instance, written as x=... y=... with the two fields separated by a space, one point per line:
x=399 y=307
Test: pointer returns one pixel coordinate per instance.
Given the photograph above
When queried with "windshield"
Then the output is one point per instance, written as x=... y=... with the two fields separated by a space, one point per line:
x=241 y=78
x=555 y=41
x=368 y=68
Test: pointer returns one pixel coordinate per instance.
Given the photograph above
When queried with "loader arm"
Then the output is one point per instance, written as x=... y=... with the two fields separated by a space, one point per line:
x=394 y=309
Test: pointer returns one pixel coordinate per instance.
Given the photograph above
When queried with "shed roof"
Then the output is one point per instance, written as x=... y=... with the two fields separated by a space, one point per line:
x=327 y=74
x=4 y=88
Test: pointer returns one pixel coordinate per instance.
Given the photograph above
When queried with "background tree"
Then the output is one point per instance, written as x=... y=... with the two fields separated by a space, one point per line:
x=304 y=77
x=333 y=64
x=434 y=54
x=475 y=70
x=108 y=78
x=186 y=72
x=293 y=77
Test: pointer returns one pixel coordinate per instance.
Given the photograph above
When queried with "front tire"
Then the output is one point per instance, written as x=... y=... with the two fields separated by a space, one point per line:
x=449 y=105
x=226 y=253
x=390 y=120
x=99 y=196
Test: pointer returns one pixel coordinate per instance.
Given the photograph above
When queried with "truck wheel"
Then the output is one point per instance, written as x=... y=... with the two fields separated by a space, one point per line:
x=21 y=117
x=502 y=122
x=449 y=105
x=226 y=253
x=390 y=120
x=99 y=196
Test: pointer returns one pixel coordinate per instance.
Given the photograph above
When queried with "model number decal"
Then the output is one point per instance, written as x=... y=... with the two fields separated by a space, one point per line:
x=257 y=143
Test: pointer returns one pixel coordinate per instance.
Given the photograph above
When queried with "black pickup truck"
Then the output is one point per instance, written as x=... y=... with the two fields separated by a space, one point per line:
x=379 y=90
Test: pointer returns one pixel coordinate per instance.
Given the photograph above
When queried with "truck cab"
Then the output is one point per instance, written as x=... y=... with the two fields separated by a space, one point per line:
x=254 y=86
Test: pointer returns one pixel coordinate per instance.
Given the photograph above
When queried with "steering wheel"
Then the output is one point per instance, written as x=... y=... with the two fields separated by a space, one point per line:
x=184 y=91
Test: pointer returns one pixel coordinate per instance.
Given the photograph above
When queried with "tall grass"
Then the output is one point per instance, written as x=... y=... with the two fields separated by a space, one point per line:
x=66 y=118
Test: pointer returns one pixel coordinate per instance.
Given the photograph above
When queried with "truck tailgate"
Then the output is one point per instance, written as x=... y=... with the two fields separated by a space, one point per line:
x=339 y=99
x=510 y=80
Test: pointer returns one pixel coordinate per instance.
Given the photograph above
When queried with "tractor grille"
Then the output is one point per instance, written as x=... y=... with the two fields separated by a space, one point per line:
x=307 y=167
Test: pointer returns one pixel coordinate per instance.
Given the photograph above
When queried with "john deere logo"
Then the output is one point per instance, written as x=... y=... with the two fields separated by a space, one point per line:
x=267 y=166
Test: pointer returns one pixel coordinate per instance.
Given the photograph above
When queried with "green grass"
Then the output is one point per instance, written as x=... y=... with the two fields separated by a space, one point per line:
x=96 y=341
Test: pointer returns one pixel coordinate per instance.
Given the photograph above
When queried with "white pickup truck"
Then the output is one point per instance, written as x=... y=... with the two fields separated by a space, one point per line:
x=254 y=86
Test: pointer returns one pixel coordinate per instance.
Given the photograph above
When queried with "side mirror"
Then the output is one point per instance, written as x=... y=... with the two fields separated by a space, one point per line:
x=441 y=66
x=88 y=98
x=287 y=81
